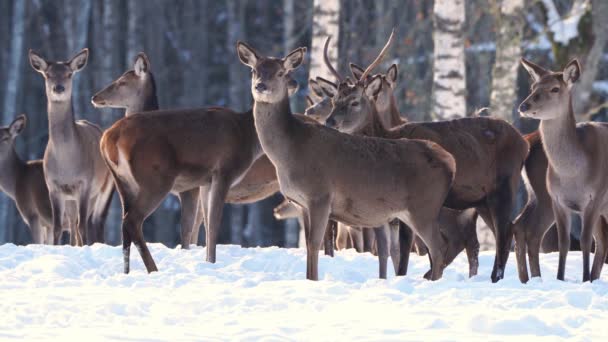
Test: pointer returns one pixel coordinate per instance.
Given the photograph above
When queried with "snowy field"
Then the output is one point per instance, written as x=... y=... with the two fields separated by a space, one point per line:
x=260 y=294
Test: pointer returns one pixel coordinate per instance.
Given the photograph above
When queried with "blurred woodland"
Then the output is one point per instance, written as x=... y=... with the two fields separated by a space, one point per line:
x=191 y=47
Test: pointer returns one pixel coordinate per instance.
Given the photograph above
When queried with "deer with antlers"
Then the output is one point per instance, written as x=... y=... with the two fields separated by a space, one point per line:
x=489 y=154
x=575 y=153
x=351 y=179
x=74 y=170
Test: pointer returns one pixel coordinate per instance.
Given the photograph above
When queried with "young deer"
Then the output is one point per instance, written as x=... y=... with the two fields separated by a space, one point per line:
x=351 y=179
x=135 y=91
x=24 y=183
x=575 y=153
x=489 y=155
x=74 y=171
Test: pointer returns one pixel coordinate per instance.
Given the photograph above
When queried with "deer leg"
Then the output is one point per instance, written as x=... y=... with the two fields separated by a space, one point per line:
x=406 y=240
x=216 y=197
x=189 y=204
x=200 y=217
x=318 y=215
x=83 y=219
x=328 y=240
x=472 y=250
x=589 y=223
x=562 y=221
x=368 y=240
x=57 y=209
x=342 y=238
x=356 y=236
x=38 y=231
x=134 y=222
x=500 y=204
x=382 y=243
x=601 y=248
x=393 y=228
x=126 y=247
x=520 y=254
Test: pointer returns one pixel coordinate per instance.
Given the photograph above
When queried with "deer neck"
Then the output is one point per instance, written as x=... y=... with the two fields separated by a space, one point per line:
x=562 y=145
x=274 y=124
x=11 y=168
x=374 y=126
x=62 y=127
x=148 y=102
x=390 y=117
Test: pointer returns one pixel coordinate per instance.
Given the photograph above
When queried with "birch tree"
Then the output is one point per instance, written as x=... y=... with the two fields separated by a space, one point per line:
x=326 y=22
x=449 y=75
x=508 y=52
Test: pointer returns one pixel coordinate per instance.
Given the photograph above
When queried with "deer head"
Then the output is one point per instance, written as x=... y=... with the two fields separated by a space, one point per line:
x=352 y=101
x=384 y=96
x=126 y=91
x=58 y=76
x=270 y=76
x=550 y=91
x=8 y=135
x=323 y=90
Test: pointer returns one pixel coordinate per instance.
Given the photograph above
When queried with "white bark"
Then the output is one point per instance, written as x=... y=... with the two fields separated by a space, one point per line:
x=13 y=77
x=508 y=53
x=449 y=76
x=326 y=22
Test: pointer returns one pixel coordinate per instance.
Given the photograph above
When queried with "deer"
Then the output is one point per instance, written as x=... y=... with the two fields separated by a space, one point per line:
x=489 y=155
x=24 y=183
x=327 y=183
x=575 y=153
x=135 y=91
x=74 y=170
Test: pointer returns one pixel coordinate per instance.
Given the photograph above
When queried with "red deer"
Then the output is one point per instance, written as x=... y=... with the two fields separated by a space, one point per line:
x=74 y=170
x=24 y=183
x=135 y=91
x=575 y=178
x=351 y=179
x=489 y=155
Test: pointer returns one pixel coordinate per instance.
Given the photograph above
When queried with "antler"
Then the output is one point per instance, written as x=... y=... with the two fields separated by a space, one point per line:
x=328 y=63
x=379 y=58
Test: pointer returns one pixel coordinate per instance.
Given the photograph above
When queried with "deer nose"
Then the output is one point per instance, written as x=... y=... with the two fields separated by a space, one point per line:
x=58 y=89
x=524 y=107
x=330 y=122
x=261 y=87
x=96 y=100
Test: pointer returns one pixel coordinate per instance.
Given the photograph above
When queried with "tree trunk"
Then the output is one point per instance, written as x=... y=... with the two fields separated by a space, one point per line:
x=326 y=22
x=591 y=64
x=135 y=31
x=508 y=53
x=449 y=77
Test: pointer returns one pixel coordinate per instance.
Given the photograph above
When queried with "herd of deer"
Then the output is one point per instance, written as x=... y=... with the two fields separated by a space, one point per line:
x=351 y=164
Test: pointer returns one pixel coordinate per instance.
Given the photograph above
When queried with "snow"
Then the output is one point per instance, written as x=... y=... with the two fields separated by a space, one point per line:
x=250 y=294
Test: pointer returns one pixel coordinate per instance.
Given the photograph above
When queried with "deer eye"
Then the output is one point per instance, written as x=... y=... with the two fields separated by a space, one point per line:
x=280 y=74
x=555 y=90
x=355 y=104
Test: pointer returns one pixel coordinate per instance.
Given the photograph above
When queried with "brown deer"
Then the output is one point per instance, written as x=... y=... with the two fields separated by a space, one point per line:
x=575 y=153
x=74 y=171
x=489 y=155
x=135 y=91
x=24 y=183
x=351 y=179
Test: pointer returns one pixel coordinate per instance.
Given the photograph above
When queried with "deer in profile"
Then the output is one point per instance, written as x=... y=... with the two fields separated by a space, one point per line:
x=24 y=183
x=74 y=171
x=575 y=178
x=489 y=154
x=327 y=182
x=135 y=91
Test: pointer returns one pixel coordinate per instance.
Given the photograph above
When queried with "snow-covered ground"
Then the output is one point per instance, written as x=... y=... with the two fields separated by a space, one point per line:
x=252 y=294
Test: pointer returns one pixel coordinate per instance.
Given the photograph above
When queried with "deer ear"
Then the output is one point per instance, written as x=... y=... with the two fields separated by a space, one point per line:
x=535 y=70
x=374 y=86
x=316 y=88
x=391 y=75
x=309 y=101
x=141 y=65
x=329 y=88
x=79 y=61
x=356 y=70
x=294 y=59
x=247 y=54
x=37 y=62
x=572 y=72
x=17 y=125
